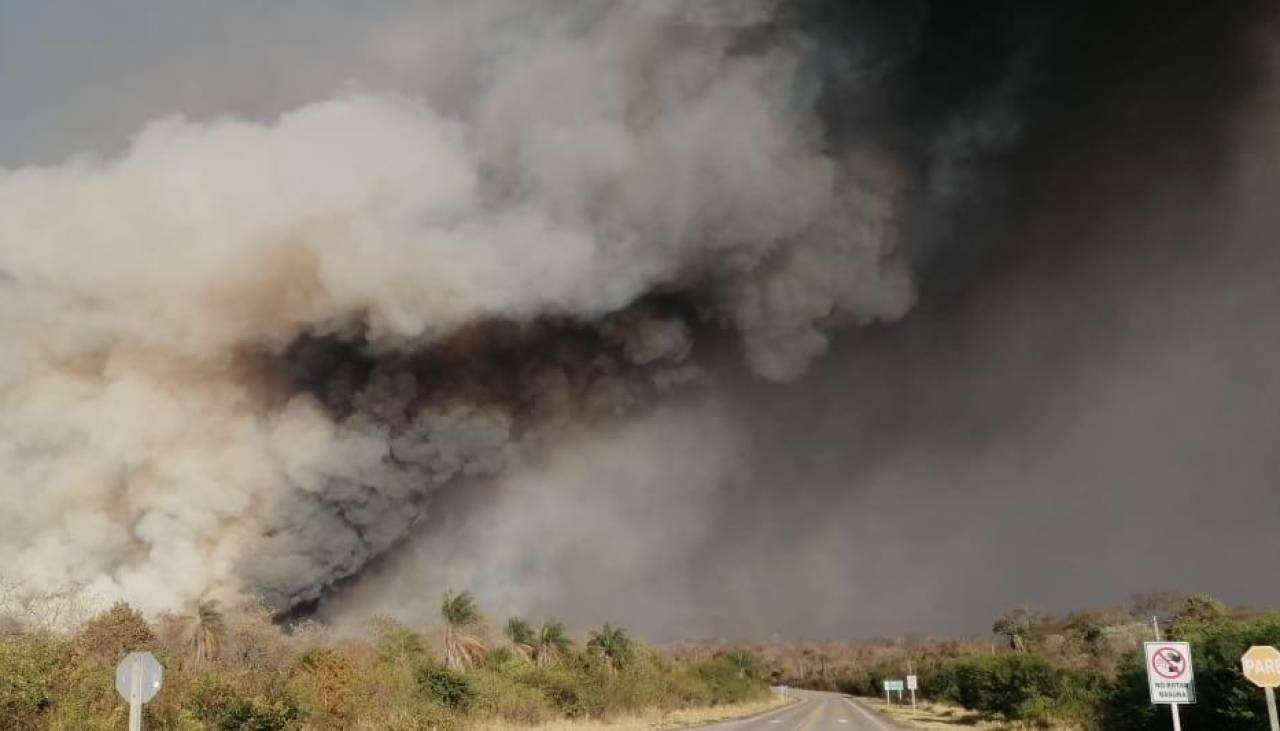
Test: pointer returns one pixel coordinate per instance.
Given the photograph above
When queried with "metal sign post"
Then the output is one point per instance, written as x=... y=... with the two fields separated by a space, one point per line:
x=135 y=693
x=892 y=686
x=1261 y=665
x=1170 y=677
x=912 y=683
x=138 y=679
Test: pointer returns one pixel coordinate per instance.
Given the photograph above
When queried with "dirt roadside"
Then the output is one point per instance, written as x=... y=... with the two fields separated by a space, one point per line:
x=656 y=721
x=935 y=716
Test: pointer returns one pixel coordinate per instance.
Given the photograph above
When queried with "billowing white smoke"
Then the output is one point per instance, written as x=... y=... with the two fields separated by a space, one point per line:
x=147 y=452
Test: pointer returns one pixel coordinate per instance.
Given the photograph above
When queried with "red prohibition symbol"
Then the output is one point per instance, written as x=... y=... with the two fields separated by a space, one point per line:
x=1169 y=663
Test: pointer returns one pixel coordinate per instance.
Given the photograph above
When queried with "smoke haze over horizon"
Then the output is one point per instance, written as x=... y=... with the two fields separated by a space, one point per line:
x=808 y=318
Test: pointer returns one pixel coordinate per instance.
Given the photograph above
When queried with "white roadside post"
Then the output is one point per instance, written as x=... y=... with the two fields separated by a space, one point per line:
x=138 y=679
x=1170 y=678
x=912 y=684
x=1261 y=665
x=1190 y=691
x=135 y=693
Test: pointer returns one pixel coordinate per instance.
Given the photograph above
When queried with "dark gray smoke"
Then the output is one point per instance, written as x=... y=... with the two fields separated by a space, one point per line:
x=532 y=304
x=1086 y=370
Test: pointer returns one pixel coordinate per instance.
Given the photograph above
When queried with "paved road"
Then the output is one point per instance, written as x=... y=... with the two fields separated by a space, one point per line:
x=815 y=712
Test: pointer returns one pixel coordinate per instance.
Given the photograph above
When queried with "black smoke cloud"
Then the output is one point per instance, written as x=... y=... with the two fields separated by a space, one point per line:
x=1077 y=408
x=601 y=388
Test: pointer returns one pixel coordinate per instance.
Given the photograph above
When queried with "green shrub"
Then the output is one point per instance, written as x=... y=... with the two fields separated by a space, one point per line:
x=504 y=659
x=1004 y=683
x=214 y=700
x=453 y=689
x=393 y=642
x=27 y=667
x=1225 y=699
x=730 y=679
x=941 y=684
x=572 y=689
x=500 y=696
x=1127 y=704
x=307 y=680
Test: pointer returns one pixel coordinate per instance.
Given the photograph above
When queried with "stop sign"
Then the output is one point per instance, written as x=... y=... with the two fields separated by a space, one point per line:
x=1261 y=664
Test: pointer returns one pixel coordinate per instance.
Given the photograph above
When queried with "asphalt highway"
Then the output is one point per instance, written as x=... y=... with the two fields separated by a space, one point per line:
x=815 y=712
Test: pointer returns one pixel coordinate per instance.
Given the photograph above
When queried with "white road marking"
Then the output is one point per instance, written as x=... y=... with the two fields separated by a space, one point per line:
x=870 y=717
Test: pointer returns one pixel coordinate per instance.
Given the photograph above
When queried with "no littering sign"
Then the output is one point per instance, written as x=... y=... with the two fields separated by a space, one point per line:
x=1169 y=674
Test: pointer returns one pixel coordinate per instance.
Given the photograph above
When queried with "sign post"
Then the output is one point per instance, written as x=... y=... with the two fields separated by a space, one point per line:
x=1261 y=665
x=912 y=684
x=1170 y=678
x=138 y=679
x=892 y=685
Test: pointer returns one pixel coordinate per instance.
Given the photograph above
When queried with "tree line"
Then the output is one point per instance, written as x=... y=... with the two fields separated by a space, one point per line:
x=1084 y=670
x=240 y=670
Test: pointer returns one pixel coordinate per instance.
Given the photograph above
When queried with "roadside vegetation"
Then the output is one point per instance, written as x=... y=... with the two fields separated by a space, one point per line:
x=1080 y=671
x=239 y=670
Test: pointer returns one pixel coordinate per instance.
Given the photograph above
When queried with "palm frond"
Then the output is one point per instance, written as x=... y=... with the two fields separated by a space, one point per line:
x=462 y=649
x=207 y=626
x=613 y=645
x=459 y=609
x=551 y=643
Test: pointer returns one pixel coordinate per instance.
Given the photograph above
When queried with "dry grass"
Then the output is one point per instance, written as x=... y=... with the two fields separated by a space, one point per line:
x=936 y=716
x=649 y=721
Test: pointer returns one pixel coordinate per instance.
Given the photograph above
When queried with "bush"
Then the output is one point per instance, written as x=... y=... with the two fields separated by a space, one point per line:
x=214 y=700
x=114 y=633
x=500 y=696
x=1025 y=687
x=941 y=685
x=571 y=688
x=27 y=667
x=393 y=642
x=451 y=688
x=270 y=681
x=1225 y=699
x=1003 y=684
x=327 y=680
x=730 y=678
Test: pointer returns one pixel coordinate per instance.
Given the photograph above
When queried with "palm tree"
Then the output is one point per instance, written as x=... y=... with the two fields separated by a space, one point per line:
x=462 y=647
x=205 y=631
x=550 y=644
x=743 y=663
x=612 y=644
x=521 y=636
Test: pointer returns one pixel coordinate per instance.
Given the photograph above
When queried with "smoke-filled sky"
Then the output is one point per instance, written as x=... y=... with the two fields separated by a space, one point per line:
x=807 y=318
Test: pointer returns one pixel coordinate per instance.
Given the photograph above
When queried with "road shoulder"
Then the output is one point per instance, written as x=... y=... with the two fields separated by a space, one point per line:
x=692 y=718
x=931 y=716
x=876 y=716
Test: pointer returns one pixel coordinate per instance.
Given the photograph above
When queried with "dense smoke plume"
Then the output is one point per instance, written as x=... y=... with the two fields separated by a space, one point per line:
x=534 y=297
x=243 y=354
